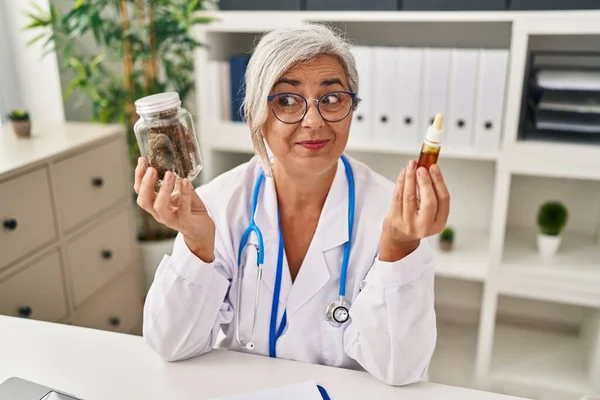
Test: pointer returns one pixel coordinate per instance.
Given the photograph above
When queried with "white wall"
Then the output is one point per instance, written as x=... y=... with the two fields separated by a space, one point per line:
x=37 y=79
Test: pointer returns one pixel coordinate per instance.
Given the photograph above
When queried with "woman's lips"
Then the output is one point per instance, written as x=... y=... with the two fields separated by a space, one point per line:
x=314 y=144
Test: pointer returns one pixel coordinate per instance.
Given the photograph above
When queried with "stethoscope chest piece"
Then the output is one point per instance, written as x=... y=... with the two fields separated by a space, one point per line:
x=338 y=312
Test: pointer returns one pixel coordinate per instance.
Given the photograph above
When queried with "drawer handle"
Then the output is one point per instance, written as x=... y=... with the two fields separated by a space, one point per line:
x=10 y=224
x=25 y=312
x=114 y=321
x=106 y=254
x=98 y=182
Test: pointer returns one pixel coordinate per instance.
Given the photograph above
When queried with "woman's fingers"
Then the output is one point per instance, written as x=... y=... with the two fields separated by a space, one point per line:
x=146 y=194
x=428 y=201
x=185 y=202
x=409 y=195
x=162 y=204
x=399 y=192
x=140 y=170
x=442 y=194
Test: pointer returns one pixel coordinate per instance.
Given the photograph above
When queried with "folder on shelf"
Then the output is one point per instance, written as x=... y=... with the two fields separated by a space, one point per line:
x=237 y=69
x=362 y=118
x=461 y=98
x=576 y=102
x=489 y=104
x=407 y=92
x=308 y=390
x=436 y=69
x=568 y=79
x=385 y=110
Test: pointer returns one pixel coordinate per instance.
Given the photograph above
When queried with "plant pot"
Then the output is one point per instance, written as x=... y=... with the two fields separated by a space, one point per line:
x=22 y=128
x=548 y=244
x=152 y=253
x=446 y=245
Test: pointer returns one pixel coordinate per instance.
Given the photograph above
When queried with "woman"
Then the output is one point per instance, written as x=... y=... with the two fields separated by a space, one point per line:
x=304 y=207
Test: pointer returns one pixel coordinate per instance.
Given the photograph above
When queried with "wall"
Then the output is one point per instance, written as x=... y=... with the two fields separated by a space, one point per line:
x=36 y=77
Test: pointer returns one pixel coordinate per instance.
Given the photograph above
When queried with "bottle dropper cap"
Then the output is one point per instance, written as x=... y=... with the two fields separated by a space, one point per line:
x=436 y=131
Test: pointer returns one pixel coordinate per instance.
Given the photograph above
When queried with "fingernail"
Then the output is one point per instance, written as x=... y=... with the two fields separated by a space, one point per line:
x=411 y=165
x=150 y=172
x=422 y=172
x=434 y=169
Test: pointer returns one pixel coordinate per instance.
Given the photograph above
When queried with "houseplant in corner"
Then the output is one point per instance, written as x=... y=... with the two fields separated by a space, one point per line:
x=447 y=239
x=21 y=123
x=552 y=218
x=144 y=47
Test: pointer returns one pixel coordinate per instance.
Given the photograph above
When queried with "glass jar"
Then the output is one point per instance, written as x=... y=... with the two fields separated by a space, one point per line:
x=166 y=136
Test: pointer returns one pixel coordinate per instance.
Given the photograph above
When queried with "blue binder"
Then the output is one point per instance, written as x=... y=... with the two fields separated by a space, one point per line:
x=237 y=69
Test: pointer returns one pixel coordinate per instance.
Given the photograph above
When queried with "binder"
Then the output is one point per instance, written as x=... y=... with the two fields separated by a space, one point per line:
x=489 y=106
x=237 y=70
x=407 y=92
x=436 y=67
x=362 y=117
x=459 y=122
x=385 y=111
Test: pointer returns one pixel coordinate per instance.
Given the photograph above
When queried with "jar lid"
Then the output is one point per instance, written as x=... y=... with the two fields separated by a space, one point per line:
x=157 y=102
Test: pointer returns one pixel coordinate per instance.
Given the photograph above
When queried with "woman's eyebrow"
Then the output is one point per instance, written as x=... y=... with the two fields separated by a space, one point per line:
x=293 y=82
x=333 y=81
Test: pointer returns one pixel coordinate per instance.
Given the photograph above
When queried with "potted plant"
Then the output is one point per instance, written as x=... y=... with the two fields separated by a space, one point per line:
x=551 y=220
x=152 y=43
x=447 y=239
x=20 y=122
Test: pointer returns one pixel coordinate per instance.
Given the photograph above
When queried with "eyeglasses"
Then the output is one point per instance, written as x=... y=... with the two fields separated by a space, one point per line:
x=291 y=108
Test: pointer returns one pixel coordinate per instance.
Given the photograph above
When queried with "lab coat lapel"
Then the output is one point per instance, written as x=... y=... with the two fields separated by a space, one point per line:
x=323 y=260
x=267 y=220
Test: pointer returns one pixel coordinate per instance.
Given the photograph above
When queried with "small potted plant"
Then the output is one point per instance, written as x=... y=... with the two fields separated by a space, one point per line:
x=20 y=122
x=447 y=239
x=551 y=220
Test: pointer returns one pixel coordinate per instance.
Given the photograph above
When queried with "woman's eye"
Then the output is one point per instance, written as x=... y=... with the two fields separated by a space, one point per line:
x=286 y=101
x=331 y=99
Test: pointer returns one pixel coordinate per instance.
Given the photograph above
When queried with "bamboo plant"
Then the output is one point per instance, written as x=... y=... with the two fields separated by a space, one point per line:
x=149 y=41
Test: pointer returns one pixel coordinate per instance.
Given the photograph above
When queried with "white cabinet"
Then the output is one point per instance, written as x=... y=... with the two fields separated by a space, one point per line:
x=68 y=248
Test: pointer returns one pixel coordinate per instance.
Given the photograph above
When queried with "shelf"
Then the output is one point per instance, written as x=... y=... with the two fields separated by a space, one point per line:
x=453 y=361
x=235 y=137
x=555 y=159
x=469 y=260
x=572 y=276
x=539 y=360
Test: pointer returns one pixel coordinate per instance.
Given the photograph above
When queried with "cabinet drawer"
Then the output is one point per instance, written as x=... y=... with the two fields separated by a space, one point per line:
x=98 y=255
x=25 y=214
x=89 y=182
x=36 y=292
x=119 y=309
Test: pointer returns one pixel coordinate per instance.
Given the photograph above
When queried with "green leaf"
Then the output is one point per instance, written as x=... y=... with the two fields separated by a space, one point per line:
x=79 y=3
x=36 y=39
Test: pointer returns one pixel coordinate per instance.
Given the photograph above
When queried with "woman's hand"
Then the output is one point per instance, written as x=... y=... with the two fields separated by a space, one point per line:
x=178 y=206
x=419 y=208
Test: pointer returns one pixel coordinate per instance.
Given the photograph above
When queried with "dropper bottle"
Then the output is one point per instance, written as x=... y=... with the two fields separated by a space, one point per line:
x=432 y=144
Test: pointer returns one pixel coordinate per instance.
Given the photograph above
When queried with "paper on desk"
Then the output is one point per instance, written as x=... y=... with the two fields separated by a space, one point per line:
x=299 y=391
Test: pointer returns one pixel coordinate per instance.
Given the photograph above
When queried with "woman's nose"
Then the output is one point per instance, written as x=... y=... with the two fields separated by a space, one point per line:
x=312 y=119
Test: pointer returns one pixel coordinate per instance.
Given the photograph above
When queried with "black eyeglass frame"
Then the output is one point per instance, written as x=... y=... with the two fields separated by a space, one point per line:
x=355 y=101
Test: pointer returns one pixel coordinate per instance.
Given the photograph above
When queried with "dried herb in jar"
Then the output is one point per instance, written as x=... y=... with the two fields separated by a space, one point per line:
x=170 y=148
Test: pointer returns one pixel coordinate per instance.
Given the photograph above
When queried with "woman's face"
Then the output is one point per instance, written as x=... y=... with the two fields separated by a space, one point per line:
x=313 y=145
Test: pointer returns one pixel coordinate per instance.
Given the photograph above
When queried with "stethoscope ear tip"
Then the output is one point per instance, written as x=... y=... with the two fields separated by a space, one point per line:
x=250 y=346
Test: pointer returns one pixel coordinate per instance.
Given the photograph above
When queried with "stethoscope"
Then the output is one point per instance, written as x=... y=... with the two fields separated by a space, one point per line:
x=337 y=312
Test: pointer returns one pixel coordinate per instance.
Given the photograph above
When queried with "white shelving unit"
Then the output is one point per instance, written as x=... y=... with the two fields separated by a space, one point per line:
x=508 y=321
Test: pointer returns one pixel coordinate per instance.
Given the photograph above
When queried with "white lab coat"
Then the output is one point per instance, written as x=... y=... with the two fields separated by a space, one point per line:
x=392 y=330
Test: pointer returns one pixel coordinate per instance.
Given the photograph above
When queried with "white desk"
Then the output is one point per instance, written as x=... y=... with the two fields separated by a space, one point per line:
x=95 y=364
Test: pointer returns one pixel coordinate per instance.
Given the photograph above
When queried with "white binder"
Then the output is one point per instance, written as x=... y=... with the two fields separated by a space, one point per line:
x=489 y=108
x=460 y=120
x=385 y=109
x=436 y=67
x=362 y=118
x=407 y=91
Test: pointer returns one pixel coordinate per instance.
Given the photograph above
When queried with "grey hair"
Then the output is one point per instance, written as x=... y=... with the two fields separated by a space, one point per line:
x=277 y=52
